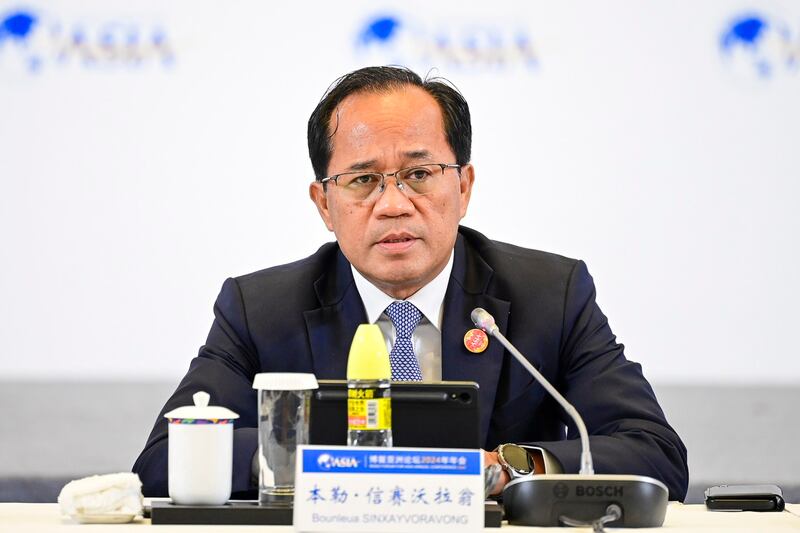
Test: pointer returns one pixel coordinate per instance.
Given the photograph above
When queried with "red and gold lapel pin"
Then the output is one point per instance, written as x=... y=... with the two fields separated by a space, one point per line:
x=476 y=340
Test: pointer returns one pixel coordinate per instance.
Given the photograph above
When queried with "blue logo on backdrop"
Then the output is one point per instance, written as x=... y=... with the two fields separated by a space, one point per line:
x=756 y=45
x=32 y=41
x=471 y=46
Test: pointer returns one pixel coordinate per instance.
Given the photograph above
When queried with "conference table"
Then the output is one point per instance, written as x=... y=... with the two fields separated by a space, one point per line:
x=35 y=517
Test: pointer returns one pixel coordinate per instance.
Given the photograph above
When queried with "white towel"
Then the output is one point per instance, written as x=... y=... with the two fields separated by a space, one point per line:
x=116 y=494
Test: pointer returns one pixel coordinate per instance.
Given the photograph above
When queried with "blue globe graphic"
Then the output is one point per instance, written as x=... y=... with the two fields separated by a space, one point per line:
x=756 y=44
x=16 y=26
x=384 y=38
x=380 y=30
x=16 y=29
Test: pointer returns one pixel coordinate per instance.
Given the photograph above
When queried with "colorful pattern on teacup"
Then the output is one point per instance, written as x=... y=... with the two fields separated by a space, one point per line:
x=199 y=421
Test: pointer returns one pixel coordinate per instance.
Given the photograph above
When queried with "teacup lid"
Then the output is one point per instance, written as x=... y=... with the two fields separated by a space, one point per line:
x=285 y=381
x=201 y=410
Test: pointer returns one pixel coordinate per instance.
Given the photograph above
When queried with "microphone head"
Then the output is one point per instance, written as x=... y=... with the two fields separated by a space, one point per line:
x=482 y=319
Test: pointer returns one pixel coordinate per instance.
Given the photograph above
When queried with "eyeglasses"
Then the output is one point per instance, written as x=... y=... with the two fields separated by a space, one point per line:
x=413 y=181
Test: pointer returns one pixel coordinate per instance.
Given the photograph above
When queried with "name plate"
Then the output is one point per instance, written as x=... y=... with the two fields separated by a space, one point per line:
x=341 y=488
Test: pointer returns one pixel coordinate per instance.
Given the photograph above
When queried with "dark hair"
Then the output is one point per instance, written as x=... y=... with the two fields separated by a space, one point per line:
x=455 y=111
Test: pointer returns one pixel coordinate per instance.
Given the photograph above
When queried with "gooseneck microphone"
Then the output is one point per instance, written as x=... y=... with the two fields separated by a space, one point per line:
x=583 y=499
x=485 y=321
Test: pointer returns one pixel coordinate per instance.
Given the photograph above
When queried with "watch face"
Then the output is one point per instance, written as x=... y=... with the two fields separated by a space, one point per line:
x=518 y=459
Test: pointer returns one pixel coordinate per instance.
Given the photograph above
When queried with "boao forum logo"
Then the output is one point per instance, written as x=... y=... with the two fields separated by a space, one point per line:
x=326 y=461
x=471 y=46
x=32 y=41
x=759 y=46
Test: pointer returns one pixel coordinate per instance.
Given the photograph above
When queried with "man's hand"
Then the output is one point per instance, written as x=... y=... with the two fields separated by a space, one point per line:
x=490 y=458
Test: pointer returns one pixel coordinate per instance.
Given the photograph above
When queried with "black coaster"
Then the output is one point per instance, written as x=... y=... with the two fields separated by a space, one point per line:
x=251 y=513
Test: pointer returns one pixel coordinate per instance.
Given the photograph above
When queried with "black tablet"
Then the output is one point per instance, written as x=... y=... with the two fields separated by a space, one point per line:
x=443 y=414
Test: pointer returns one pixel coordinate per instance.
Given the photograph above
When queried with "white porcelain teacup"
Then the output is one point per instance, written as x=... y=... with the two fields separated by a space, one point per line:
x=200 y=453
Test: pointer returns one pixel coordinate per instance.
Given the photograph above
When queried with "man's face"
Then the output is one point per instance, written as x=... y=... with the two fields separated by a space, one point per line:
x=398 y=242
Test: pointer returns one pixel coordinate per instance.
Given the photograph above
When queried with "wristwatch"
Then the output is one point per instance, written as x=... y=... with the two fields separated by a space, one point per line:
x=515 y=460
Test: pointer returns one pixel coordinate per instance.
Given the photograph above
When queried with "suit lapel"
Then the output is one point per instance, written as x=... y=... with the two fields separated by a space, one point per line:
x=331 y=327
x=466 y=290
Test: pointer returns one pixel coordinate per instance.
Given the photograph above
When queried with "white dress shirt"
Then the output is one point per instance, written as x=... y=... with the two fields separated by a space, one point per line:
x=427 y=336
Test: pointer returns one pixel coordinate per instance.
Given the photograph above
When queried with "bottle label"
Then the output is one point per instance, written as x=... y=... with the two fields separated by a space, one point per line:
x=369 y=409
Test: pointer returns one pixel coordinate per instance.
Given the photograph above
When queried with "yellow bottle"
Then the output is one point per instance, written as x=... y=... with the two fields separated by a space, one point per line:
x=369 y=408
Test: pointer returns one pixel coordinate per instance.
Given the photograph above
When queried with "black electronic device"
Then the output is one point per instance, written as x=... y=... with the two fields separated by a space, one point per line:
x=583 y=499
x=745 y=498
x=443 y=414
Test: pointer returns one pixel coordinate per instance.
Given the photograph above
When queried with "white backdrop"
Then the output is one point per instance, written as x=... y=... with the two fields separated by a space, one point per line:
x=148 y=150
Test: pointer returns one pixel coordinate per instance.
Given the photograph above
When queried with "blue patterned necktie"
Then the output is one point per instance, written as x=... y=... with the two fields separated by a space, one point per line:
x=405 y=318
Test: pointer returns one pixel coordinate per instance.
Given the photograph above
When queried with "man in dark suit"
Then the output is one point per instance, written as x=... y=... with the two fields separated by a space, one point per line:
x=391 y=154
